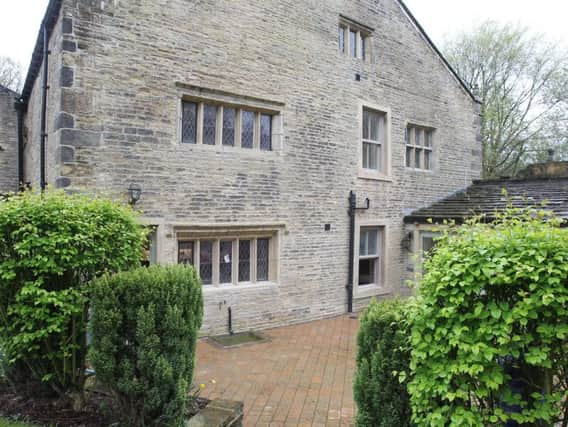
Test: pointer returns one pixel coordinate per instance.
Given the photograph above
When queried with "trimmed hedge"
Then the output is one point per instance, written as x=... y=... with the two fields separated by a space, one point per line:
x=144 y=328
x=383 y=360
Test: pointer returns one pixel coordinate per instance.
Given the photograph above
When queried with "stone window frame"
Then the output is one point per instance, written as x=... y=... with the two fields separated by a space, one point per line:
x=379 y=288
x=235 y=236
x=384 y=174
x=222 y=99
x=410 y=147
x=363 y=37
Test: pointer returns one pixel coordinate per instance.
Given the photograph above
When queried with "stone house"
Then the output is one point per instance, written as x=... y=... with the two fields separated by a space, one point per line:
x=277 y=144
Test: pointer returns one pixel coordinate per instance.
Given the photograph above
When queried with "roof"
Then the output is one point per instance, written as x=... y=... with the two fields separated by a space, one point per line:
x=54 y=7
x=486 y=197
x=8 y=90
x=49 y=19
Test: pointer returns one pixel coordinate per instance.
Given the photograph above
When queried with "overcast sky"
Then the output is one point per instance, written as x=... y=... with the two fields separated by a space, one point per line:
x=20 y=19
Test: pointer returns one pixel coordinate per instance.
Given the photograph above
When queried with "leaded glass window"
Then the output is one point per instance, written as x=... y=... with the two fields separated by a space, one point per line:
x=266 y=132
x=244 y=260
x=229 y=117
x=206 y=261
x=189 y=123
x=209 y=124
x=186 y=253
x=262 y=259
x=247 y=137
x=225 y=261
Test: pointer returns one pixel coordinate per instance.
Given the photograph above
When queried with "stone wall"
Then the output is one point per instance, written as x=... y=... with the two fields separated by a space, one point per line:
x=8 y=141
x=131 y=62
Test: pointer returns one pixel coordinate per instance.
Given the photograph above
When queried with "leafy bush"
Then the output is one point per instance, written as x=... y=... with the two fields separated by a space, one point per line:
x=50 y=246
x=494 y=299
x=144 y=329
x=383 y=357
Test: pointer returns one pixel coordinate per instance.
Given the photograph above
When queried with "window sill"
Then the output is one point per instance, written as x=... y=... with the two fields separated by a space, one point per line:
x=240 y=287
x=367 y=291
x=227 y=148
x=419 y=170
x=375 y=176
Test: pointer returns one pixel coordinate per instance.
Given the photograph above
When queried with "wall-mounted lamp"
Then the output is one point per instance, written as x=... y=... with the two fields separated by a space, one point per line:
x=134 y=192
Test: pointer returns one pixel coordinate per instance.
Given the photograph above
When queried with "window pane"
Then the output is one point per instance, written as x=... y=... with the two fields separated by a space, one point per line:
x=262 y=257
x=353 y=43
x=427 y=160
x=266 y=132
x=189 y=123
x=186 y=253
x=409 y=153
x=428 y=243
x=342 y=39
x=248 y=129
x=244 y=260
x=374 y=125
x=417 y=133
x=225 y=261
x=368 y=241
x=428 y=138
x=368 y=271
x=366 y=121
x=229 y=116
x=206 y=261
x=209 y=124
x=363 y=47
x=371 y=156
x=417 y=155
x=407 y=135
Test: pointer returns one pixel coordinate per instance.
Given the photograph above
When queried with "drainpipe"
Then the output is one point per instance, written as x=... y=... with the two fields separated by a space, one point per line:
x=20 y=108
x=45 y=88
x=352 y=213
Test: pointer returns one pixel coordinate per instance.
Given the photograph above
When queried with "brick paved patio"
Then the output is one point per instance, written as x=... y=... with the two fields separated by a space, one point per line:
x=302 y=377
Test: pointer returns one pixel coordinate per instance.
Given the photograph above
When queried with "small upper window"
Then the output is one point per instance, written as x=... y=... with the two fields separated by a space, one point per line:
x=374 y=135
x=419 y=147
x=354 y=39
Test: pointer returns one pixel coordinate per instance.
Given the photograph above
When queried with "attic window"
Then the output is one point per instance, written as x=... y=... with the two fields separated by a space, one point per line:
x=354 y=39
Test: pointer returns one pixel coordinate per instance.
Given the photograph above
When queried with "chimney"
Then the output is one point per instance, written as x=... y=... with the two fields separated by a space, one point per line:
x=551 y=154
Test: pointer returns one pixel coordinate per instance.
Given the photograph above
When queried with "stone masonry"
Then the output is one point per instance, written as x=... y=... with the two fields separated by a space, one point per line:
x=8 y=141
x=118 y=72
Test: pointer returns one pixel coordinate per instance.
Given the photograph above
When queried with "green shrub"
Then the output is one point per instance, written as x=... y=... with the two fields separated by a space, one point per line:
x=383 y=359
x=144 y=329
x=492 y=293
x=51 y=245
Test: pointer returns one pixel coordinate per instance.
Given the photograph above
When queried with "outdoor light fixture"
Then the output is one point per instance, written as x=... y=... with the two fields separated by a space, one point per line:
x=134 y=191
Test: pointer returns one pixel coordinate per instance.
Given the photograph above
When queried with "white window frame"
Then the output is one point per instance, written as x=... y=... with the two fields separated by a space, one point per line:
x=362 y=38
x=384 y=171
x=235 y=237
x=410 y=143
x=379 y=288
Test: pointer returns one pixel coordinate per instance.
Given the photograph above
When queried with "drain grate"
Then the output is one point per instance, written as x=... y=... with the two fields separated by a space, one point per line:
x=236 y=340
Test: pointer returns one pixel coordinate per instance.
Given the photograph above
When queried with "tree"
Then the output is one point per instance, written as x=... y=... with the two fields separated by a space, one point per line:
x=522 y=81
x=11 y=74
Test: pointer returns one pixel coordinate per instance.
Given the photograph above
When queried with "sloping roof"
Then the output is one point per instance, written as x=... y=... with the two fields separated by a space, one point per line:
x=50 y=19
x=8 y=90
x=429 y=41
x=486 y=197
